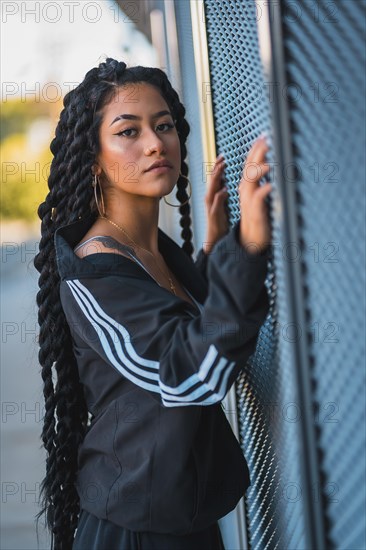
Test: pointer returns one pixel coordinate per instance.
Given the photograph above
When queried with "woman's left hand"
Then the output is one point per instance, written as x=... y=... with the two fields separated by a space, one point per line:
x=215 y=202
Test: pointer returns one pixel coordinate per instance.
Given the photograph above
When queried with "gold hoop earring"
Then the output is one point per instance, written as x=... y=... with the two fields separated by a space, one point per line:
x=95 y=183
x=190 y=194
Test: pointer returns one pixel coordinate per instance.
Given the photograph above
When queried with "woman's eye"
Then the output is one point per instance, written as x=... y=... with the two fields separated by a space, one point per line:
x=166 y=124
x=123 y=132
x=127 y=130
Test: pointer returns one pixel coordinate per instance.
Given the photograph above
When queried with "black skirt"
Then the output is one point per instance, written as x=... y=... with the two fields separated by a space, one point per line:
x=99 y=534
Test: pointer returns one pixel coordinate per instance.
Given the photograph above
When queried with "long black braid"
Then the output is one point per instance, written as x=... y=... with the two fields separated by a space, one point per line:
x=74 y=148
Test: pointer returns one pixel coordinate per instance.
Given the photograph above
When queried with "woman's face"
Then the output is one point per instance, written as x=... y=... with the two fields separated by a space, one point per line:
x=137 y=130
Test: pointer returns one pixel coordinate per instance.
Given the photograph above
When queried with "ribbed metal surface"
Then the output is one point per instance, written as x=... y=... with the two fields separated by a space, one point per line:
x=267 y=389
x=191 y=100
x=325 y=67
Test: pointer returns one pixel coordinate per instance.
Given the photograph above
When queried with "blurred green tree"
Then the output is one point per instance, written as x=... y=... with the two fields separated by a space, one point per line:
x=25 y=157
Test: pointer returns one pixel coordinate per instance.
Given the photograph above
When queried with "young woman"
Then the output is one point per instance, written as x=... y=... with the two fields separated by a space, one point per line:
x=139 y=344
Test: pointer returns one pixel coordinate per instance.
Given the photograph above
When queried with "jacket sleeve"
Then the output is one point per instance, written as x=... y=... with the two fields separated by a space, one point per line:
x=201 y=263
x=154 y=341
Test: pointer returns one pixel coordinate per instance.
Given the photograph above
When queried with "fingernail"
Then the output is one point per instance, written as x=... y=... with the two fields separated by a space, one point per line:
x=220 y=156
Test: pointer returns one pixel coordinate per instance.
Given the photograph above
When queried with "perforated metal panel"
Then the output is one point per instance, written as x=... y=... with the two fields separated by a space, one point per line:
x=325 y=69
x=305 y=449
x=267 y=390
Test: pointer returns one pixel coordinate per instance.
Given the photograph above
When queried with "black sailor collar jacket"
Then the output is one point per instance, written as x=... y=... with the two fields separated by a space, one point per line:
x=159 y=454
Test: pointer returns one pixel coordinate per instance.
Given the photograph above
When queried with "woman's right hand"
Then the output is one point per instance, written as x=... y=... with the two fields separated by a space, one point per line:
x=255 y=233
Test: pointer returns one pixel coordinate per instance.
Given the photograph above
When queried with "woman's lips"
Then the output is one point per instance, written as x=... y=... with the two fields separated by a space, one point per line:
x=159 y=169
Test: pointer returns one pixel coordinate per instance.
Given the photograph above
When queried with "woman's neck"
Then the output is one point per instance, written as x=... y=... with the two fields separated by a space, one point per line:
x=139 y=220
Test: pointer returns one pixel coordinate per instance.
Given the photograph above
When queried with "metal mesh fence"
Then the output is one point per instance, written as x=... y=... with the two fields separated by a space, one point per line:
x=324 y=60
x=267 y=388
x=325 y=71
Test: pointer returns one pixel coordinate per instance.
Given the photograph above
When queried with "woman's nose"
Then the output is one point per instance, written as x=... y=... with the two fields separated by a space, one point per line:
x=155 y=144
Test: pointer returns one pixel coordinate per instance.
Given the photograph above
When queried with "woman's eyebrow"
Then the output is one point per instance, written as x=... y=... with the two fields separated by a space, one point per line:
x=135 y=117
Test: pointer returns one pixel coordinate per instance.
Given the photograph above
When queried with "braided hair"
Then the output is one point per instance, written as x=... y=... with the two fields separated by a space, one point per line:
x=70 y=197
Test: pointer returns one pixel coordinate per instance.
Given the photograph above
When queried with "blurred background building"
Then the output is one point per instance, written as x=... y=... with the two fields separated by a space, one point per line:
x=296 y=70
